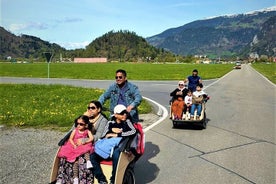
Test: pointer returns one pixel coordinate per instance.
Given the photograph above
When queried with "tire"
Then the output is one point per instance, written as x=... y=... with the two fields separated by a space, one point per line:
x=129 y=177
x=174 y=124
x=204 y=123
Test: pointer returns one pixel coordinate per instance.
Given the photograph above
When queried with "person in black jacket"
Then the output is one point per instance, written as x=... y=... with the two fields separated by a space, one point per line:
x=120 y=126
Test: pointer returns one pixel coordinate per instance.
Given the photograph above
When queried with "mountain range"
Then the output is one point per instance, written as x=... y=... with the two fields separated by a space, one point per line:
x=223 y=36
x=226 y=36
x=24 y=46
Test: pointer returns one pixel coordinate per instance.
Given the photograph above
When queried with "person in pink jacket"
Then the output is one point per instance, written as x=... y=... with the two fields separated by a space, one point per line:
x=72 y=149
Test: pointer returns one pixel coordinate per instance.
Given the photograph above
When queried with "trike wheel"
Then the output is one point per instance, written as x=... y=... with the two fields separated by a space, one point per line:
x=204 y=123
x=129 y=177
x=174 y=124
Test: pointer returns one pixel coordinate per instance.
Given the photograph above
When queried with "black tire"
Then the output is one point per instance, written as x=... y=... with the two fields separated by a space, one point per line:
x=174 y=124
x=204 y=123
x=129 y=177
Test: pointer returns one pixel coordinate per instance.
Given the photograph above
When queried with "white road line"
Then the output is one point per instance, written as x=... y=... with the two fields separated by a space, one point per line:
x=162 y=111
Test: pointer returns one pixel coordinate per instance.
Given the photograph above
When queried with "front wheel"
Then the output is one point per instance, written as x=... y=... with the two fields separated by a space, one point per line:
x=174 y=124
x=204 y=123
x=129 y=177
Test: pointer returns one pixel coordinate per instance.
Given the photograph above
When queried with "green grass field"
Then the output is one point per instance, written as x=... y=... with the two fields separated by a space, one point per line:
x=47 y=106
x=268 y=70
x=105 y=71
x=56 y=106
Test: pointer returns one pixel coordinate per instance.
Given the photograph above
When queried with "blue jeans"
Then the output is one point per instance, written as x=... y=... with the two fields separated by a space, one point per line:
x=194 y=107
x=98 y=172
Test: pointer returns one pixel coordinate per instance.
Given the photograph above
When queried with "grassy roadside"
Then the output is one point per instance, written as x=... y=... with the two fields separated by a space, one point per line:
x=268 y=70
x=47 y=106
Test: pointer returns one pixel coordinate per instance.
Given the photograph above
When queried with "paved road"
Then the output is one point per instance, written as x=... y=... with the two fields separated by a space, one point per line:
x=238 y=145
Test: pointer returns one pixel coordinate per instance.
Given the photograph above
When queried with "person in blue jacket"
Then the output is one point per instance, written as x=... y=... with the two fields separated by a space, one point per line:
x=118 y=128
x=125 y=93
x=193 y=80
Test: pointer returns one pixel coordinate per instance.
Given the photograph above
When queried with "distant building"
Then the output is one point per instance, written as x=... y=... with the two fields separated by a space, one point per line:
x=90 y=60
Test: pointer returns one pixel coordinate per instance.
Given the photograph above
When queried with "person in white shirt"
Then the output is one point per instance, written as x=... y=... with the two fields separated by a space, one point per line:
x=197 y=99
x=188 y=101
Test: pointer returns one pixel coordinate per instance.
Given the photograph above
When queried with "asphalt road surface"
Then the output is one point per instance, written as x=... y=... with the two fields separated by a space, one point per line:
x=238 y=145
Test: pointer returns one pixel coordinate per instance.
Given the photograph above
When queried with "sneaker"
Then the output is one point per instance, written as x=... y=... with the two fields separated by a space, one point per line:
x=103 y=182
x=89 y=164
x=76 y=181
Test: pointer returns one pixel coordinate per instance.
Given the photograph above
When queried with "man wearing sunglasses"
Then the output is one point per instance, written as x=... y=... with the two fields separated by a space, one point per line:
x=125 y=93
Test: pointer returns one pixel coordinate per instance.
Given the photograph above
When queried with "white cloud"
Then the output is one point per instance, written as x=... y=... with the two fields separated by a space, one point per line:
x=69 y=20
x=74 y=45
x=28 y=26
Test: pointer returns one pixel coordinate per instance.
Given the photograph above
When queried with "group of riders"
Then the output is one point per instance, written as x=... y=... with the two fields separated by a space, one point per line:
x=188 y=99
x=93 y=138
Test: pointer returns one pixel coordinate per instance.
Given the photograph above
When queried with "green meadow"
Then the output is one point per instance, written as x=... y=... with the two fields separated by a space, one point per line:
x=268 y=70
x=47 y=106
x=56 y=106
x=106 y=71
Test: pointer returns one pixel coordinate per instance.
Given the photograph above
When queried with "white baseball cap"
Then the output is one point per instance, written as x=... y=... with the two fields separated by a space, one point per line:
x=119 y=108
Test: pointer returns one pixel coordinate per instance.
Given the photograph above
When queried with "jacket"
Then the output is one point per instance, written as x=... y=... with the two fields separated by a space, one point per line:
x=132 y=97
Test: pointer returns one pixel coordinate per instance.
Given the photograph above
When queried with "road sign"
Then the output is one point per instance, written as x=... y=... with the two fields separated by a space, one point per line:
x=48 y=56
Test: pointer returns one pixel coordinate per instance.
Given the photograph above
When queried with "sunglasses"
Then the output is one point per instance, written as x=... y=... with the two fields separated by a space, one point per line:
x=81 y=124
x=93 y=107
x=118 y=77
x=123 y=112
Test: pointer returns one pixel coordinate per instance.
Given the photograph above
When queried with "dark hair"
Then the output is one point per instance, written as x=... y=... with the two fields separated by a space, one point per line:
x=121 y=71
x=84 y=118
x=97 y=104
x=195 y=70
x=200 y=85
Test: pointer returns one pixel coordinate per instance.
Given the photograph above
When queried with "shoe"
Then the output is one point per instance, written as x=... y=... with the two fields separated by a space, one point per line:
x=184 y=116
x=76 y=181
x=197 y=117
x=89 y=164
x=103 y=182
x=58 y=182
x=192 y=118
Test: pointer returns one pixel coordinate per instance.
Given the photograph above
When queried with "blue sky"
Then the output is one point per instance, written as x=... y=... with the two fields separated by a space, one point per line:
x=75 y=23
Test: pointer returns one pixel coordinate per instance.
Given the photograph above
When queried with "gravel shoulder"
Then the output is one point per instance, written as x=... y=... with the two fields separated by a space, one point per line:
x=27 y=154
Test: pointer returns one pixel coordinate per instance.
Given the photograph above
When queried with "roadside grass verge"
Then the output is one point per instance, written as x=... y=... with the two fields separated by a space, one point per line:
x=47 y=106
x=268 y=70
x=106 y=71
